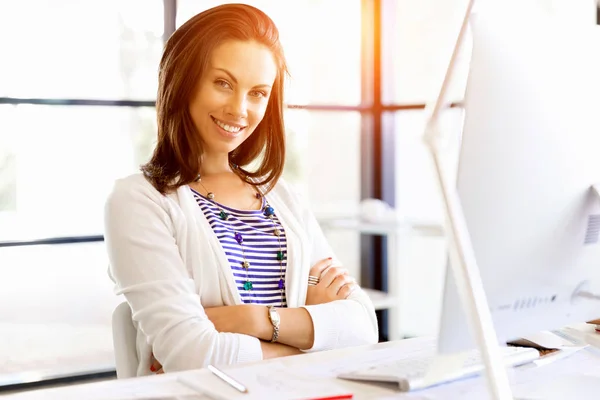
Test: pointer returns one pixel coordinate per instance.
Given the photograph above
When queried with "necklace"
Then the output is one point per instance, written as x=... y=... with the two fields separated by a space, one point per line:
x=269 y=213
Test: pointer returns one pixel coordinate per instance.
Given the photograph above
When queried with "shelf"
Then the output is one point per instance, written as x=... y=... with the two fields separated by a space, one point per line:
x=381 y=300
x=400 y=234
x=408 y=227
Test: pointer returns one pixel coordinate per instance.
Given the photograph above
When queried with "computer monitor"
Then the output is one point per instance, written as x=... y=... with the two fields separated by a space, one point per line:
x=529 y=156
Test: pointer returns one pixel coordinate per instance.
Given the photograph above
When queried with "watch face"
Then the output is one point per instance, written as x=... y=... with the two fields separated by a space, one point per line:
x=274 y=316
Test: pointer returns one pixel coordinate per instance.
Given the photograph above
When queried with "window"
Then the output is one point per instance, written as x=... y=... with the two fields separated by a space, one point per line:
x=77 y=90
x=63 y=136
x=324 y=158
x=419 y=41
x=324 y=62
x=86 y=50
x=418 y=195
x=61 y=163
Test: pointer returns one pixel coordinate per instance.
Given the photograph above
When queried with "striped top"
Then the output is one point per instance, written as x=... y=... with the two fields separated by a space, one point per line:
x=259 y=247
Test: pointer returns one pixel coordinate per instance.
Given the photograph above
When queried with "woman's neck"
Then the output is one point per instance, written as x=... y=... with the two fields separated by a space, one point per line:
x=215 y=165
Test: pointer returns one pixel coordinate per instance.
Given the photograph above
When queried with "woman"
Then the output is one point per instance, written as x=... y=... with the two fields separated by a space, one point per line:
x=219 y=260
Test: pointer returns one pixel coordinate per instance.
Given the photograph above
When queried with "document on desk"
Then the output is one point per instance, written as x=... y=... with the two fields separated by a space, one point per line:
x=565 y=378
x=350 y=362
x=271 y=380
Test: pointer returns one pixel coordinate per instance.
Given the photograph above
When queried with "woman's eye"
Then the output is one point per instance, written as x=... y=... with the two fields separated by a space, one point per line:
x=258 y=93
x=223 y=84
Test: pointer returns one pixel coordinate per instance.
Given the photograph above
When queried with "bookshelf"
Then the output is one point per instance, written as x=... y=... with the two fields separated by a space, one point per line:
x=398 y=234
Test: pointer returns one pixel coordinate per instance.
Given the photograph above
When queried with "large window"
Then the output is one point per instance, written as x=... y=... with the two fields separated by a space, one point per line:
x=63 y=136
x=87 y=50
x=77 y=90
x=61 y=162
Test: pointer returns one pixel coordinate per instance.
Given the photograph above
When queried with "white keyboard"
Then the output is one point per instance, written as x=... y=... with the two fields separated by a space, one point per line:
x=409 y=373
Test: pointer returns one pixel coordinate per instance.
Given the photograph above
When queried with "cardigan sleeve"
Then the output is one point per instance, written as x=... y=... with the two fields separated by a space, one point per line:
x=341 y=323
x=148 y=270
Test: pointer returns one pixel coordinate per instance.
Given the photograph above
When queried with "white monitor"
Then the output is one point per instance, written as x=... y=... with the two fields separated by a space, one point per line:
x=529 y=156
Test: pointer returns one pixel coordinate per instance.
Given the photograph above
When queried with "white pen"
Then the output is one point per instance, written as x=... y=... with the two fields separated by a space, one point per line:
x=227 y=379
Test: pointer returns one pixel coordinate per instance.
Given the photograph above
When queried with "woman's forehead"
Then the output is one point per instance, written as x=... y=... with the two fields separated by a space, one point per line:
x=248 y=62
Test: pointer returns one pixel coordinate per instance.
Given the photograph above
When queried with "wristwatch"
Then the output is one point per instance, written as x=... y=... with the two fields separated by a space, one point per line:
x=274 y=318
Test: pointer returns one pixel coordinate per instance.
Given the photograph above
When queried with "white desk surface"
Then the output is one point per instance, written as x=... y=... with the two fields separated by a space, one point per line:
x=585 y=362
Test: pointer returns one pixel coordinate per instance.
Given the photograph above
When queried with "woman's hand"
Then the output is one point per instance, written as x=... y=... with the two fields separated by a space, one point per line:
x=243 y=318
x=334 y=283
x=269 y=350
x=253 y=320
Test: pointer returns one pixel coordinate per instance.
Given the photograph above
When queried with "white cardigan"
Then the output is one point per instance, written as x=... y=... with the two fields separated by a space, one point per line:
x=168 y=263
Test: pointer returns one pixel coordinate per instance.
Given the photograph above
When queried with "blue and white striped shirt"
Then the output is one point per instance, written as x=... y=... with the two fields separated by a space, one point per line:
x=259 y=246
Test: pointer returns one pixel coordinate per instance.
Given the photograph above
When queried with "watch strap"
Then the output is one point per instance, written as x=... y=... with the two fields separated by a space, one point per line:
x=275 y=325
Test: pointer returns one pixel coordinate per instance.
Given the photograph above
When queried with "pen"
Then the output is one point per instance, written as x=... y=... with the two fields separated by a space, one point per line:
x=227 y=379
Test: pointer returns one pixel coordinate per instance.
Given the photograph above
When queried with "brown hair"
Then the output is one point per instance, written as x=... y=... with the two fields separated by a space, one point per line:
x=176 y=159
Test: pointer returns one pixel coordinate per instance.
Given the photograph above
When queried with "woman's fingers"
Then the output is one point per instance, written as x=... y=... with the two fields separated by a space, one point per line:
x=320 y=266
x=331 y=274
x=154 y=364
x=339 y=282
x=347 y=290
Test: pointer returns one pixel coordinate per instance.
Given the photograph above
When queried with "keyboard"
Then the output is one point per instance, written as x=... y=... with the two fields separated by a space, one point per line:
x=409 y=373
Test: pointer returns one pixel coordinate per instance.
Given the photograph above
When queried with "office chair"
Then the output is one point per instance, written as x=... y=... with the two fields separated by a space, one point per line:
x=124 y=342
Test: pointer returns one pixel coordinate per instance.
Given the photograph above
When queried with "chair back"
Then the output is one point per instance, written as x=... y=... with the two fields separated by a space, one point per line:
x=124 y=342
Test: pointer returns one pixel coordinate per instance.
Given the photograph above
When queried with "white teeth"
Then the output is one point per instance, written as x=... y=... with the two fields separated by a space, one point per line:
x=232 y=129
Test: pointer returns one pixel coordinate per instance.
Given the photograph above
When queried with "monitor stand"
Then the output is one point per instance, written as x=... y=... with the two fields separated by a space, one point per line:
x=462 y=258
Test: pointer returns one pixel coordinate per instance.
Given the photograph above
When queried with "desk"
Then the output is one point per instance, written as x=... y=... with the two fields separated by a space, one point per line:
x=167 y=386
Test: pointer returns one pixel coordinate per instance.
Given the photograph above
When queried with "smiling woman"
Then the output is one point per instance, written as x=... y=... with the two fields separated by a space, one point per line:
x=231 y=98
x=219 y=259
x=231 y=70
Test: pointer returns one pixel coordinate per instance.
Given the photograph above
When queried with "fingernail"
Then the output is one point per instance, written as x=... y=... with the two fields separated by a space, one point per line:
x=152 y=368
x=329 y=258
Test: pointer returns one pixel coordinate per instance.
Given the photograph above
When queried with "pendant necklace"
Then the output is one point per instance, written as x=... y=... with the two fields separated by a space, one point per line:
x=269 y=213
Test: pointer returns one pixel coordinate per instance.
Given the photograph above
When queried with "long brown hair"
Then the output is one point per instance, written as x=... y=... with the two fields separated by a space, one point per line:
x=176 y=159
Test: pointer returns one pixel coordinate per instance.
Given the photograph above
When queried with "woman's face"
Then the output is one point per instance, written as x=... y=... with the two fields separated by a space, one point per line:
x=231 y=97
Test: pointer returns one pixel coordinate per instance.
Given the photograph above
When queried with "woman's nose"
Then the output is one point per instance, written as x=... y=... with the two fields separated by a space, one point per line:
x=237 y=107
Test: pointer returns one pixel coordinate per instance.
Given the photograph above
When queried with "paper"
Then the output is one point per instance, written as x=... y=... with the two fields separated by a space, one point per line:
x=535 y=383
x=544 y=340
x=582 y=333
x=333 y=368
x=565 y=387
x=556 y=356
x=264 y=381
